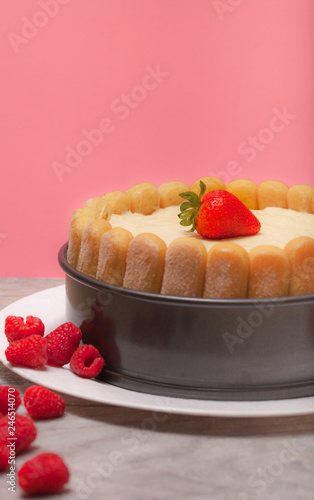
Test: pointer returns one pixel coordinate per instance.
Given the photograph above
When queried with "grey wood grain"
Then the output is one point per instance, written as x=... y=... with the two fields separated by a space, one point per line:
x=118 y=453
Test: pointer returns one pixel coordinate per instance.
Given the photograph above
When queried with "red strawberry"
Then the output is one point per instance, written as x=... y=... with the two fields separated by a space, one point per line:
x=30 y=352
x=17 y=329
x=9 y=399
x=217 y=214
x=62 y=343
x=86 y=361
x=45 y=473
x=42 y=403
x=17 y=431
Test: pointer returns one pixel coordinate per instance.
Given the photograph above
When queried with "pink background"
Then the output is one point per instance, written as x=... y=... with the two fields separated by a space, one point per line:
x=226 y=71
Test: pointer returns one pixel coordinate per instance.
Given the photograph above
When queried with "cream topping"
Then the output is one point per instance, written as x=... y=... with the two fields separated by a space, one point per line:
x=279 y=226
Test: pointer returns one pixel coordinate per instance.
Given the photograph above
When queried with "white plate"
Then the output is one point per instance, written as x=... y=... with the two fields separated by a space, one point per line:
x=49 y=305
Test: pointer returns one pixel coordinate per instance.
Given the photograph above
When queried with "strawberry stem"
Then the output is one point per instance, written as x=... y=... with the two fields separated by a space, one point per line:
x=189 y=209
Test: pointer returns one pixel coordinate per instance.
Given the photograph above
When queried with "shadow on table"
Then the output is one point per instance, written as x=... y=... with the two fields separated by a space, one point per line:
x=189 y=424
x=152 y=421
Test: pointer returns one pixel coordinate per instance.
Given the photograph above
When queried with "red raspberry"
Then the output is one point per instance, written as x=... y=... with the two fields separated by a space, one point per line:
x=20 y=427
x=86 y=361
x=31 y=352
x=9 y=399
x=42 y=403
x=62 y=343
x=16 y=329
x=4 y=456
x=45 y=473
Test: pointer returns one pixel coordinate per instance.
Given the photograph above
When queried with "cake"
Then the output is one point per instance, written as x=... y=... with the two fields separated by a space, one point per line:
x=134 y=239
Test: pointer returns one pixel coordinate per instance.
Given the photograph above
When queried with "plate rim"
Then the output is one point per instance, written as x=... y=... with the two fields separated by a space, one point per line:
x=117 y=396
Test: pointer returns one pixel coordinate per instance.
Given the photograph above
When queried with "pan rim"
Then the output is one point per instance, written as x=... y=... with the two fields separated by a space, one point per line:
x=174 y=299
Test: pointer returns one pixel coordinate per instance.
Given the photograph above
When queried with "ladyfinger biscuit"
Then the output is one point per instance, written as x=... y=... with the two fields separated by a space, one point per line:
x=245 y=190
x=143 y=198
x=185 y=265
x=89 y=211
x=212 y=183
x=88 y=257
x=269 y=272
x=77 y=226
x=300 y=252
x=95 y=203
x=114 y=202
x=169 y=193
x=113 y=250
x=227 y=272
x=145 y=263
x=272 y=194
x=300 y=197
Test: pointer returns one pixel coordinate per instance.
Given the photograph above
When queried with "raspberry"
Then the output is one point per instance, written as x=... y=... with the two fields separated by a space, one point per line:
x=62 y=343
x=31 y=352
x=45 y=473
x=16 y=329
x=9 y=399
x=4 y=456
x=17 y=429
x=42 y=403
x=86 y=361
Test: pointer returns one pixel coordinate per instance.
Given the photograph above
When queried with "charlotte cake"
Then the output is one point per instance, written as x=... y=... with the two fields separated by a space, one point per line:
x=135 y=240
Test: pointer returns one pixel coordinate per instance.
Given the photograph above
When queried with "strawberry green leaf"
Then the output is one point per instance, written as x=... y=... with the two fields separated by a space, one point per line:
x=189 y=209
x=185 y=205
x=189 y=195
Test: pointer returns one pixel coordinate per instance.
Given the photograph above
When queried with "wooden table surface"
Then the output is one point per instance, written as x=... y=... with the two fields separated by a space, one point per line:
x=113 y=454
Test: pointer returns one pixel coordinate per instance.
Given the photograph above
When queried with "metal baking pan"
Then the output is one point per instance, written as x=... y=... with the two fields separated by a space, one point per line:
x=235 y=349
